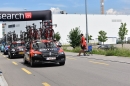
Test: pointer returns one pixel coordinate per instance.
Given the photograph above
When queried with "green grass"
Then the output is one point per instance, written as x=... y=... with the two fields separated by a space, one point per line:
x=116 y=52
x=76 y=50
x=65 y=45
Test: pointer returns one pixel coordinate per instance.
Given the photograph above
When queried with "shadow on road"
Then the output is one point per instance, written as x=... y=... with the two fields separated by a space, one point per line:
x=38 y=65
x=15 y=57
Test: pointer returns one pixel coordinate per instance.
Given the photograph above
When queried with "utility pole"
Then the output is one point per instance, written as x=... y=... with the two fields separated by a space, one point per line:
x=86 y=20
x=102 y=6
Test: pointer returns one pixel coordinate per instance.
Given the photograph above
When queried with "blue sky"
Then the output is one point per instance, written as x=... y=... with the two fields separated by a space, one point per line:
x=70 y=6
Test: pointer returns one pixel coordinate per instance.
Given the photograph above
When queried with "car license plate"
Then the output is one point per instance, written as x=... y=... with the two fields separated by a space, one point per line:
x=21 y=52
x=50 y=58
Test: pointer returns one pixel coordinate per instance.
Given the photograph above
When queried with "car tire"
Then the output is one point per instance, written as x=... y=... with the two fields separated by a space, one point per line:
x=4 y=53
x=62 y=63
x=10 y=56
x=31 y=63
x=25 y=61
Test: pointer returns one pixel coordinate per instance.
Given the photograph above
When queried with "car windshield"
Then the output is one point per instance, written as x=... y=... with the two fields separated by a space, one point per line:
x=18 y=44
x=46 y=45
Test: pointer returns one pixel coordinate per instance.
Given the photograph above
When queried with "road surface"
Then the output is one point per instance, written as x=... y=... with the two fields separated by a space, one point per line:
x=78 y=71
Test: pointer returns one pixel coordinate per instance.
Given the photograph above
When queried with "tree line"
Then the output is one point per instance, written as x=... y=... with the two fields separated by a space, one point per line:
x=74 y=35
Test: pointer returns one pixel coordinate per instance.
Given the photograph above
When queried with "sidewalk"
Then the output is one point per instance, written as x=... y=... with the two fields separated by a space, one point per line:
x=2 y=80
x=102 y=57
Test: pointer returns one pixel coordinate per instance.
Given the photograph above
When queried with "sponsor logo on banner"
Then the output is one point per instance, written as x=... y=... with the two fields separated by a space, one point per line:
x=17 y=16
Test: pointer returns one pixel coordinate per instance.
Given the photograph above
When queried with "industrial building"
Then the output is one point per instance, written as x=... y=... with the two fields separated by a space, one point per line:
x=1 y=34
x=66 y=22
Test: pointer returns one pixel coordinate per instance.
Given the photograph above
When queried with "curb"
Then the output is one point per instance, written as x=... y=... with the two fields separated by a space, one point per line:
x=2 y=80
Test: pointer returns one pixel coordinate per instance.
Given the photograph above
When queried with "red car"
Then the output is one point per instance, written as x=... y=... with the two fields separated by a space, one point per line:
x=44 y=51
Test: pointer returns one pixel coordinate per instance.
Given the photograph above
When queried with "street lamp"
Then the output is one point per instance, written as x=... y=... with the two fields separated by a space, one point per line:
x=26 y=10
x=86 y=21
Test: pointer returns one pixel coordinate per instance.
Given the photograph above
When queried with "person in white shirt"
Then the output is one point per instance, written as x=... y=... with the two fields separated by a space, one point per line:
x=57 y=43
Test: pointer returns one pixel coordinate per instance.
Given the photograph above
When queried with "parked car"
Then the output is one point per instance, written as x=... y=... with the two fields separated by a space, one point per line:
x=16 y=49
x=106 y=47
x=2 y=48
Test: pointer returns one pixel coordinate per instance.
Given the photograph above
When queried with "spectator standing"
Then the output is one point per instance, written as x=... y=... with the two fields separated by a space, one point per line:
x=83 y=45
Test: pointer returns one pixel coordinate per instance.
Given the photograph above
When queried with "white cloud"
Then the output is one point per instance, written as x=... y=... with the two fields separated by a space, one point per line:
x=113 y=12
x=55 y=10
x=124 y=11
x=11 y=9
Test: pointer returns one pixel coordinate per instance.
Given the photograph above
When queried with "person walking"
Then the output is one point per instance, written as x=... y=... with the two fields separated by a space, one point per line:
x=83 y=45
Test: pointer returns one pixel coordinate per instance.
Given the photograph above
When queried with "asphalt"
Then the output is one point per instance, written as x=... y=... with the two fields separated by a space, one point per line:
x=93 y=70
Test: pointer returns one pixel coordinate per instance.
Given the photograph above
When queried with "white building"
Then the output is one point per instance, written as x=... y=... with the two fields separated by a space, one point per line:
x=65 y=22
x=1 y=30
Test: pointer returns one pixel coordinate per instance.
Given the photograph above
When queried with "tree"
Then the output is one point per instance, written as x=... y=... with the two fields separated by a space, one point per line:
x=102 y=36
x=122 y=32
x=90 y=37
x=74 y=37
x=57 y=36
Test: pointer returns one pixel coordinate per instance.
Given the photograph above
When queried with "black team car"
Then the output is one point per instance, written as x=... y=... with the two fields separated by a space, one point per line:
x=44 y=51
x=16 y=49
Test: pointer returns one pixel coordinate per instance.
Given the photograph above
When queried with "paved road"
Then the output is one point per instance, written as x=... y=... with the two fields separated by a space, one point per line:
x=78 y=71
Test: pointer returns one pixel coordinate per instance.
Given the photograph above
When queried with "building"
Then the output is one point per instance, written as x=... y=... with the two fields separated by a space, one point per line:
x=66 y=22
x=1 y=30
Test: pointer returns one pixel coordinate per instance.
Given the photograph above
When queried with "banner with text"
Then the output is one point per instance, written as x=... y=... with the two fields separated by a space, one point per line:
x=25 y=15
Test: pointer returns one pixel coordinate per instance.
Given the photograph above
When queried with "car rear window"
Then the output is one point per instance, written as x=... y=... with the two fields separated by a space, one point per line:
x=18 y=44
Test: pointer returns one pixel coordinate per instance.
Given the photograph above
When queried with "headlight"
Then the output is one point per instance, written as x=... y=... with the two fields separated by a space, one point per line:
x=35 y=54
x=42 y=49
x=61 y=52
x=13 y=49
